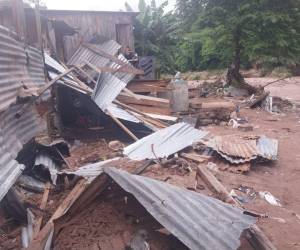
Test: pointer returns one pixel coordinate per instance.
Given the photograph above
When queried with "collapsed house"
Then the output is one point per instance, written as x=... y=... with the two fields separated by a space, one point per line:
x=82 y=86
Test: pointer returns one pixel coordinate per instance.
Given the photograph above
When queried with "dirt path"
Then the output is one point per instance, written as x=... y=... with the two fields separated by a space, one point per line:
x=280 y=178
x=286 y=89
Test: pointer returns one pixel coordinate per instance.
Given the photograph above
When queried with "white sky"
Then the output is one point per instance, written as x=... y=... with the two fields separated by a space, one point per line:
x=113 y=5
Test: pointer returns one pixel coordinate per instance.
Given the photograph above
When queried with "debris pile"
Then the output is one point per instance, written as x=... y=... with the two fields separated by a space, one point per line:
x=116 y=167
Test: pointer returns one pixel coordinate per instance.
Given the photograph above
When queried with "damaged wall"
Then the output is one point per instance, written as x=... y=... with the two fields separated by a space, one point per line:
x=113 y=25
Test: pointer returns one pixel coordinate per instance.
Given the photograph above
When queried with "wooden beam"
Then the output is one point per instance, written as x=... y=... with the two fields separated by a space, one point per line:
x=127 y=107
x=121 y=125
x=48 y=85
x=43 y=205
x=256 y=236
x=196 y=157
x=130 y=93
x=80 y=68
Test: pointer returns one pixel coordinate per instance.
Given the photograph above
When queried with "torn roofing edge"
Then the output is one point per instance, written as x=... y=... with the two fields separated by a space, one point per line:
x=199 y=221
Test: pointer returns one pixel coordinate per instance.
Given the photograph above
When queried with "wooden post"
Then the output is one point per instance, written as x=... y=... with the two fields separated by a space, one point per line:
x=123 y=127
x=43 y=205
x=18 y=15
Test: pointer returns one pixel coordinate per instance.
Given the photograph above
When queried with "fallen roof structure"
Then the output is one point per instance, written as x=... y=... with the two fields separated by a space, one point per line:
x=200 y=222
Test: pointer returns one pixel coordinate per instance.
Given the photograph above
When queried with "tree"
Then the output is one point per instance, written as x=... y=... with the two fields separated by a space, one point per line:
x=154 y=32
x=232 y=31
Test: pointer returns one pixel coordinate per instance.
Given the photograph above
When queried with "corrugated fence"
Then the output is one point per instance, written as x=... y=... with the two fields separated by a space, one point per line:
x=21 y=69
x=21 y=66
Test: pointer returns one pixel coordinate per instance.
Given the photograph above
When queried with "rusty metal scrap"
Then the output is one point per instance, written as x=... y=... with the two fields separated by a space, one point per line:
x=237 y=149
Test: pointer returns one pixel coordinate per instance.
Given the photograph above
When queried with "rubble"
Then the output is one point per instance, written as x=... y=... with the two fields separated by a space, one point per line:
x=116 y=166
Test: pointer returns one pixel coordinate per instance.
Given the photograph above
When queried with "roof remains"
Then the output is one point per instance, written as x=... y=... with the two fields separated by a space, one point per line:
x=200 y=222
x=164 y=142
x=238 y=150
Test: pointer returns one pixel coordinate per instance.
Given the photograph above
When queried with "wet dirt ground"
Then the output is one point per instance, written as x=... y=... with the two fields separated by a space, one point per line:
x=280 y=178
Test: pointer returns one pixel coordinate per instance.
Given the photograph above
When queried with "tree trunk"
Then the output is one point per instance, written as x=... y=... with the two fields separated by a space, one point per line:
x=233 y=75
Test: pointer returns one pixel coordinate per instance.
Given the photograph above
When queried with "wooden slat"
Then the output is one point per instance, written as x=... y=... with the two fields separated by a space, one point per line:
x=144 y=100
x=122 y=126
x=43 y=205
x=152 y=110
x=39 y=240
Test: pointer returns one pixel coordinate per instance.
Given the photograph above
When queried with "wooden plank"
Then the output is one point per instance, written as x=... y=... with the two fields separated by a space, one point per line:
x=130 y=93
x=40 y=239
x=43 y=205
x=196 y=157
x=80 y=68
x=147 y=88
x=144 y=100
x=48 y=85
x=256 y=236
x=130 y=108
x=152 y=110
x=122 y=126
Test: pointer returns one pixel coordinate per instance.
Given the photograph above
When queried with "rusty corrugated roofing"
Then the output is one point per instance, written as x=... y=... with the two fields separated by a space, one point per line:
x=237 y=149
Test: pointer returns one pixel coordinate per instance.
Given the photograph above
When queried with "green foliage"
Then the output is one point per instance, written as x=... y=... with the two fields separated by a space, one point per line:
x=212 y=34
x=154 y=34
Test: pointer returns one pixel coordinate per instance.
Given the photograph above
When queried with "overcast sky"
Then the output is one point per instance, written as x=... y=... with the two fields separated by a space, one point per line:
x=98 y=4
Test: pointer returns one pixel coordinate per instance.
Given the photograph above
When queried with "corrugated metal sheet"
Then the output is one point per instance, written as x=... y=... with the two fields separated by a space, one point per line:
x=15 y=131
x=238 y=150
x=44 y=160
x=199 y=221
x=122 y=114
x=268 y=148
x=107 y=89
x=84 y=54
x=125 y=77
x=20 y=67
x=90 y=171
x=164 y=142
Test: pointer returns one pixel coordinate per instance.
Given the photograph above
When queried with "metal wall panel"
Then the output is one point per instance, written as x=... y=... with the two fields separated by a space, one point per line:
x=15 y=131
x=21 y=66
